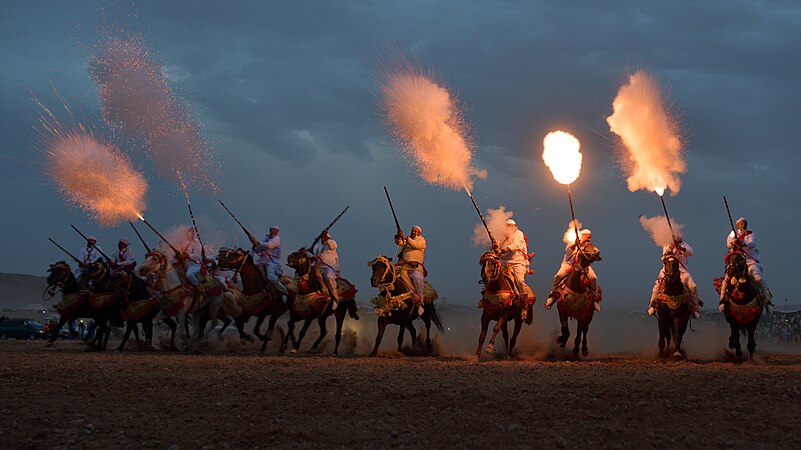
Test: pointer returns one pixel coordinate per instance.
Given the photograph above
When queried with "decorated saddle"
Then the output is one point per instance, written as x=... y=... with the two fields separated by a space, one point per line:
x=385 y=303
x=69 y=303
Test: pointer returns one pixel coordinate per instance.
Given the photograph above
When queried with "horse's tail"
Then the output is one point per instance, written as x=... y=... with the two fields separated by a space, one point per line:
x=353 y=309
x=436 y=319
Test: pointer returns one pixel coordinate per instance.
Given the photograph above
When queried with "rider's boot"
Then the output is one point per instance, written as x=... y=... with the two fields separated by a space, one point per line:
x=551 y=300
x=721 y=306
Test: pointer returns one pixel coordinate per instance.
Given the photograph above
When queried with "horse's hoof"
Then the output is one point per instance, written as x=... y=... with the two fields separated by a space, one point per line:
x=738 y=352
x=490 y=350
x=575 y=350
x=677 y=354
x=293 y=351
x=585 y=351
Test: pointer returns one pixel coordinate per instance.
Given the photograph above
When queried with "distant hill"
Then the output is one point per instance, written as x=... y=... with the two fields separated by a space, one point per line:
x=19 y=290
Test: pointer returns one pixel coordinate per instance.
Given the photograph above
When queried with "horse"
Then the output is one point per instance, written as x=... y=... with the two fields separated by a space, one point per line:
x=138 y=307
x=499 y=302
x=258 y=298
x=394 y=306
x=311 y=302
x=177 y=296
x=575 y=301
x=673 y=309
x=742 y=307
x=73 y=304
x=104 y=303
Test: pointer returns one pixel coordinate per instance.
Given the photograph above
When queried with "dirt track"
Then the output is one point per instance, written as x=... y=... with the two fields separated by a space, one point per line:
x=66 y=397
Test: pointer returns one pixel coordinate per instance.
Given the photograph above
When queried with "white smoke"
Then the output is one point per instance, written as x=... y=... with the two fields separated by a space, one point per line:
x=659 y=230
x=570 y=234
x=496 y=221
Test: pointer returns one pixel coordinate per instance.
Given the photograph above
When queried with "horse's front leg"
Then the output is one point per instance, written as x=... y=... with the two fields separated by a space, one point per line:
x=257 y=327
x=323 y=331
x=585 y=350
x=483 y=335
x=505 y=334
x=401 y=331
x=128 y=328
x=382 y=325
x=427 y=322
x=338 y=336
x=734 y=340
x=515 y=333
x=498 y=325
x=301 y=334
x=751 y=341
x=562 y=340
x=412 y=332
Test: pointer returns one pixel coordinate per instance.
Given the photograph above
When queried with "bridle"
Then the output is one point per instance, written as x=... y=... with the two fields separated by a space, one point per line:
x=389 y=269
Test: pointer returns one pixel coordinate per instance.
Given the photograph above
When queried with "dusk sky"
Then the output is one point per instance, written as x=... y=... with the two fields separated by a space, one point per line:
x=287 y=94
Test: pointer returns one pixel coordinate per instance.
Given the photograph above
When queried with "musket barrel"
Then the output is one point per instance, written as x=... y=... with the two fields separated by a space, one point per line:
x=668 y=218
x=141 y=239
x=392 y=208
x=572 y=214
x=733 y=229
x=93 y=246
x=481 y=216
x=65 y=250
x=328 y=227
x=250 y=236
x=175 y=250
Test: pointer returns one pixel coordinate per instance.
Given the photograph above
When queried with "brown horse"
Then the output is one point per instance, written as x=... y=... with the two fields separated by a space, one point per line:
x=741 y=302
x=73 y=304
x=311 y=302
x=258 y=298
x=673 y=309
x=575 y=301
x=499 y=302
x=398 y=309
x=104 y=302
x=139 y=306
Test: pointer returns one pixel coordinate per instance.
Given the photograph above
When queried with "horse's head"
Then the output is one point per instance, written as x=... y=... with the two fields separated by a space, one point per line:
x=299 y=261
x=155 y=261
x=671 y=264
x=58 y=273
x=232 y=259
x=119 y=279
x=95 y=271
x=490 y=267
x=587 y=255
x=736 y=265
x=383 y=271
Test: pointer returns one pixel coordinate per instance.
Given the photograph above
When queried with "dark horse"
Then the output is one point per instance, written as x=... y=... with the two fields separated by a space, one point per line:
x=139 y=306
x=575 y=301
x=673 y=310
x=741 y=303
x=394 y=291
x=258 y=298
x=73 y=304
x=104 y=302
x=499 y=302
x=310 y=302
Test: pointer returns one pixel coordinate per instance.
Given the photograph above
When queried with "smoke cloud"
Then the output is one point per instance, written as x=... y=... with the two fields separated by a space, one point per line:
x=96 y=177
x=496 y=221
x=659 y=230
x=570 y=234
x=137 y=99
x=428 y=125
x=650 y=136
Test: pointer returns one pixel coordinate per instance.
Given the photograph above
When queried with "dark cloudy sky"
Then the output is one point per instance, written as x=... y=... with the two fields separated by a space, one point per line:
x=286 y=92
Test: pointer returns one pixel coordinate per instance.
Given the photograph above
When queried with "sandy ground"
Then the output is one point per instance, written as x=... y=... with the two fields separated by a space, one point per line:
x=67 y=398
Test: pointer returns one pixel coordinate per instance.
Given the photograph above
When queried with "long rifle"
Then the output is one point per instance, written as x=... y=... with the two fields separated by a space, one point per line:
x=175 y=250
x=140 y=236
x=668 y=219
x=320 y=236
x=397 y=224
x=65 y=251
x=733 y=229
x=492 y=239
x=194 y=225
x=250 y=236
x=93 y=246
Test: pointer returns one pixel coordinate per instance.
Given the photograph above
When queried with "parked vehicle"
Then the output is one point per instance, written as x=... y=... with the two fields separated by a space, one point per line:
x=21 y=329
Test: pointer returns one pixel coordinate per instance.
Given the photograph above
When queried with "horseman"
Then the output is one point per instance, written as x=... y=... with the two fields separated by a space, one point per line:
x=514 y=255
x=682 y=251
x=571 y=251
x=328 y=262
x=745 y=242
x=268 y=252
x=124 y=257
x=412 y=257
x=88 y=255
x=190 y=253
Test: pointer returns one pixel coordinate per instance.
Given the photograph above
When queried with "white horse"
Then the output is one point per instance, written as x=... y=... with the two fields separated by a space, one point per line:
x=177 y=294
